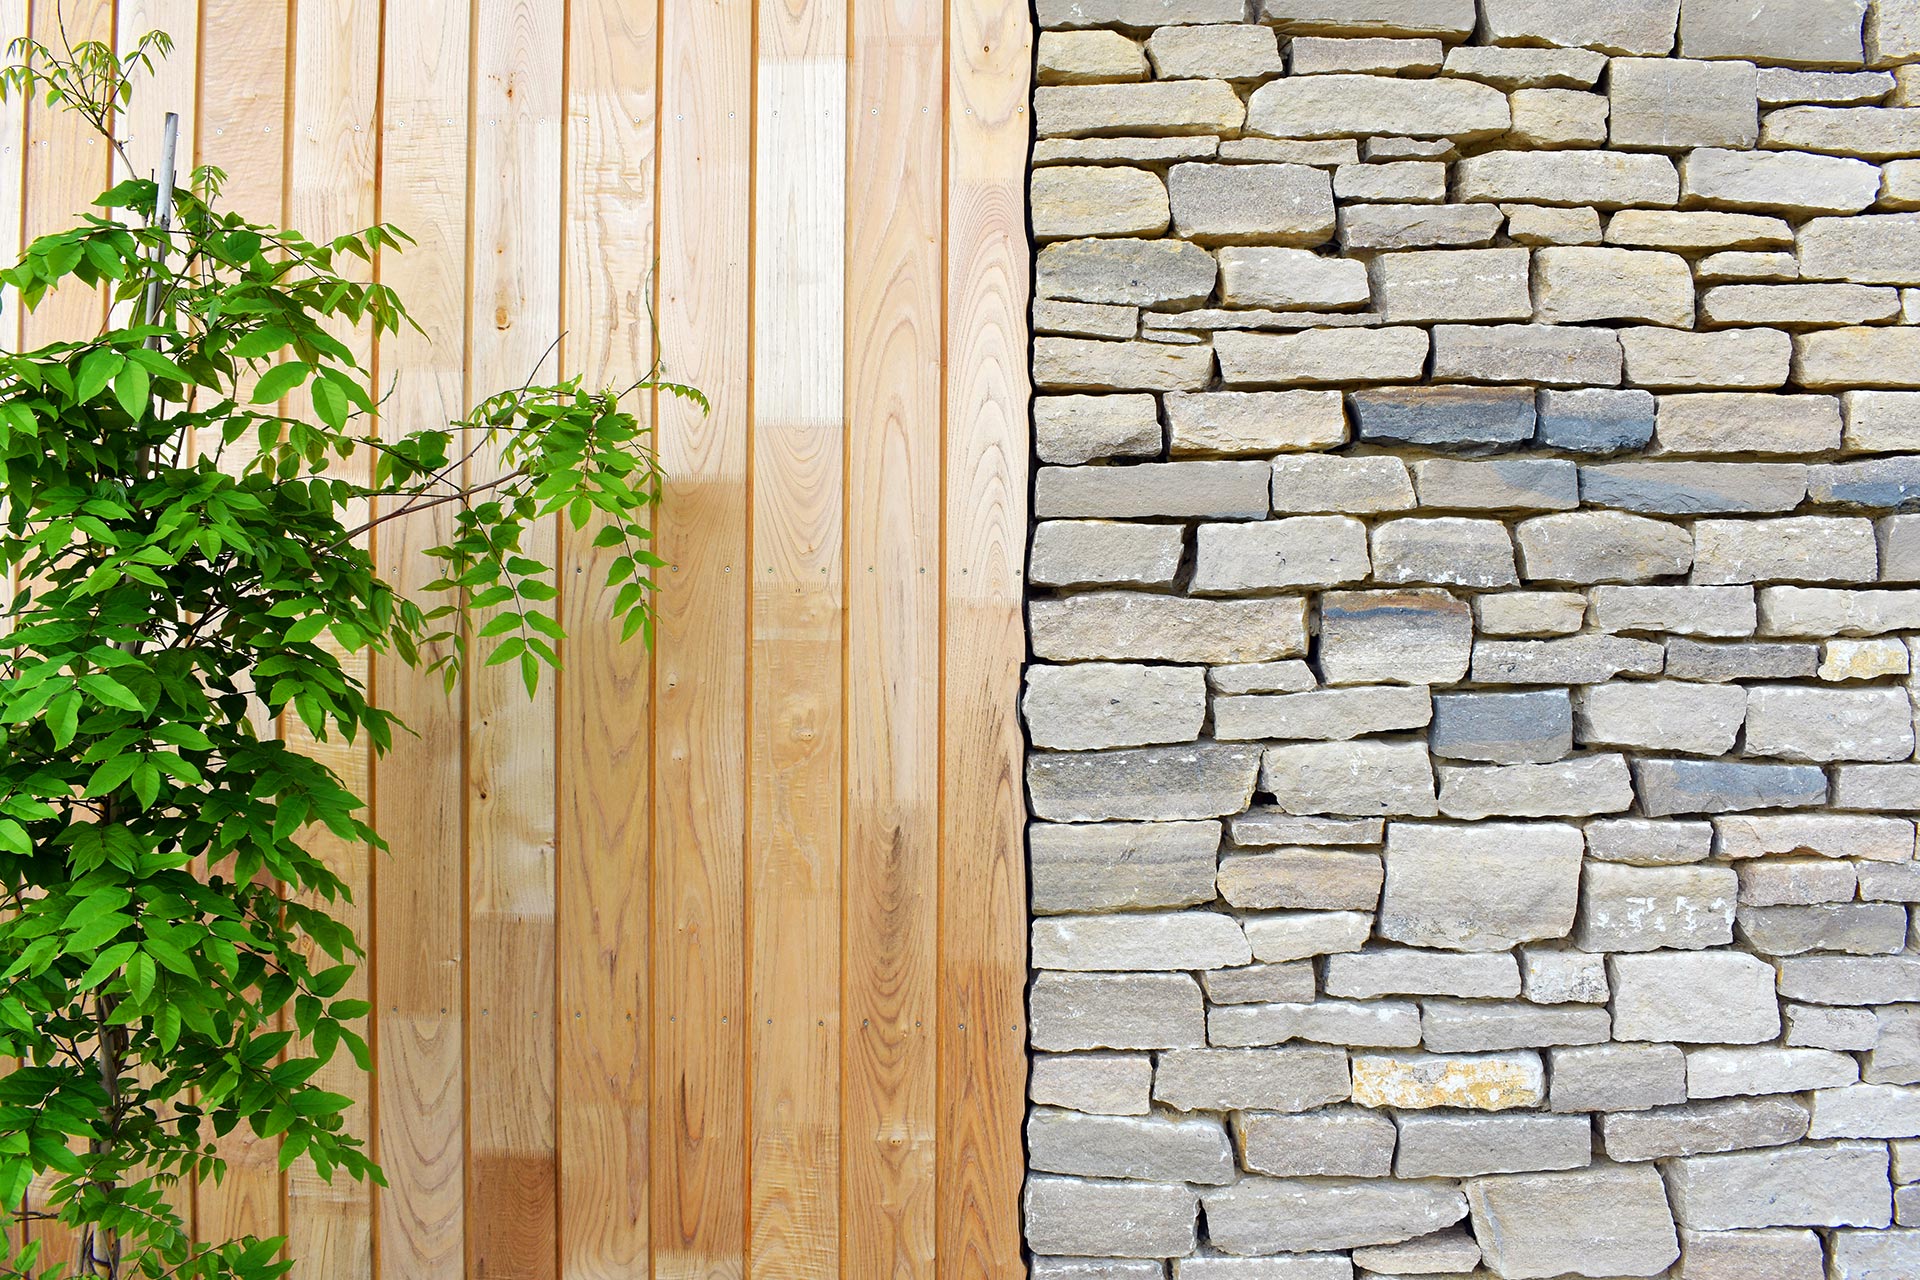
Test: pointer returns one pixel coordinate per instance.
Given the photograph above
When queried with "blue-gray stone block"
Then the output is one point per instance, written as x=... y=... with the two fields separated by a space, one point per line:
x=1534 y=727
x=1467 y=419
x=1694 y=488
x=1597 y=420
x=1726 y=786
x=1880 y=484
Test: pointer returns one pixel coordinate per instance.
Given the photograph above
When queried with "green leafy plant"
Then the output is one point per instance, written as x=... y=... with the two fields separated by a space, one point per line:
x=182 y=523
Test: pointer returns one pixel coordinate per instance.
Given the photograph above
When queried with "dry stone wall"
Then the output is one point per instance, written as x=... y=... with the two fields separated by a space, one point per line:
x=1474 y=597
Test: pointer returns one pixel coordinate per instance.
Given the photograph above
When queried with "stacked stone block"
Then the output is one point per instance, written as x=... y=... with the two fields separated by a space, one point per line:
x=1474 y=599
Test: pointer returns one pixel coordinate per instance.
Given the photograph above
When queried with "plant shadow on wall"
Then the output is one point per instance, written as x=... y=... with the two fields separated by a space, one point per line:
x=186 y=495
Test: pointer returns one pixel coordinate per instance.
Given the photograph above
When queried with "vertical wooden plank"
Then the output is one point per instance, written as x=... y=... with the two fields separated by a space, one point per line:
x=241 y=113
x=513 y=321
x=795 y=730
x=700 y=777
x=13 y=143
x=67 y=166
x=983 y=897
x=333 y=168
x=173 y=86
x=605 y=748
x=895 y=174
x=419 y=789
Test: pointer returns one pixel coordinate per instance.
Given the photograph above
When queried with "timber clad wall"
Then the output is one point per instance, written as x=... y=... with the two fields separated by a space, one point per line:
x=707 y=963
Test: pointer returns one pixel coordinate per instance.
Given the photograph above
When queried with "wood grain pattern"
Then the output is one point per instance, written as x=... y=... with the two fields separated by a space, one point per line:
x=420 y=789
x=707 y=964
x=513 y=321
x=895 y=181
x=795 y=738
x=605 y=820
x=983 y=880
x=331 y=189
x=698 y=1031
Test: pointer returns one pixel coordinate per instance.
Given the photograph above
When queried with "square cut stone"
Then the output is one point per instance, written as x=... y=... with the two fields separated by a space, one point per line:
x=1697 y=229
x=1259 y=983
x=1603 y=179
x=1544 y=354
x=1260 y=1216
x=1088 y=57
x=1618 y=1077
x=1321 y=55
x=1620 y=26
x=1607 y=1220
x=1775 y=882
x=1408 y=971
x=1419 y=636
x=1552 y=976
x=1341 y=106
x=1694 y=488
x=1812 y=1185
x=1595 y=420
x=1068 y=553
x=1474 y=1026
x=1668 y=786
x=1480 y=888
x=1625 y=908
x=1227 y=51
x=1119 y=1219
x=1673 y=103
x=1198 y=780
x=1115 y=1084
x=1166 y=107
x=1573 y=284
x=1447 y=1146
x=1795 y=32
x=1105 y=866
x=1875 y=249
x=1149 y=1148
x=1574 y=788
x=1362 y=1024
x=1879 y=133
x=1779 y=181
x=1141 y=625
x=1138 y=273
x=1291 y=1079
x=1071 y=429
x=1096 y=200
x=1447 y=550
x=1600 y=546
x=1506 y=68
x=1516 y=484
x=1071 y=1011
x=1671 y=359
x=1830 y=724
x=1360 y=779
x=1087 y=364
x=1554 y=118
x=1350 y=485
x=1522 y=613
x=1106 y=704
x=1733 y=422
x=1702 y=611
x=1649 y=842
x=1338 y=1142
x=1139 y=941
x=1321 y=357
x=1290 y=279
x=1423 y=181
x=1469 y=1082
x=1238 y=203
x=1463 y=418
x=1137 y=13
x=1531 y=727
x=1302 y=879
x=1254 y=422
x=1232 y=559
x=1417 y=226
x=1701 y=1127
x=1229 y=489
x=1449 y=18
x=1661 y=715
x=1322 y=714
x=1694 y=997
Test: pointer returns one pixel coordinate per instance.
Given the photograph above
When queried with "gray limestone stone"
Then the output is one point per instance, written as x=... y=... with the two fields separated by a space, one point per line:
x=1814 y=33
x=1139 y=941
x=1532 y=727
x=1289 y=279
x=1543 y=354
x=1576 y=283
x=1288 y=204
x=1228 y=51
x=1608 y=179
x=1109 y=704
x=1388 y=1024
x=1700 y=1127
x=1416 y=226
x=1337 y=1142
x=1779 y=181
x=1552 y=976
x=1071 y=429
x=1696 y=230
x=1218 y=489
x=1799 y=306
x=1453 y=18
x=1359 y=779
x=1088 y=57
x=1352 y=486
x=1824 y=612
x=1849 y=1030
x=1098 y=1269
x=1452 y=284
x=1302 y=879
x=1878 y=133
x=1831 y=835
x=1644 y=842
x=1072 y=1011
x=1067 y=201
x=1259 y=984
x=1149 y=1148
x=1300 y=935
x=1700 y=611
x=1104 y=866
x=1128 y=625
x=1661 y=715
x=1338 y=106
x=1856 y=928
x=1783 y=882
x=1594 y=420
x=1115 y=1084
x=1297 y=1078
x=1607 y=1220
x=1445 y=550
x=1139 y=273
x=1694 y=488
x=1695 y=660
x=1407 y=971
x=1830 y=724
x=1290 y=675
x=1138 y=13
x=1266 y=826
x=1530 y=613
x=1118 y=1219
x=1475 y=1026
x=1815 y=1185
x=1730 y=421
x=1505 y=484
x=1467 y=418
x=1724 y=786
x=1253 y=422
x=1693 y=997
x=1766 y=1069
x=1627 y=908
x=1321 y=357
x=1583 y=659
x=1618 y=1077
x=1673 y=103
x=1313 y=551
x=1177 y=107
x=1324 y=55
x=1850 y=979
x=1875 y=1255
x=1621 y=26
x=1577 y=787
x=1600 y=546
x=1508 y=68
x=1144 y=784
x=1891 y=484
x=1068 y=553
x=1781 y=1254
x=1323 y=714
x=1479 y=888
x=1468 y=1146
x=1866 y=1111
x=1409 y=637
x=1268 y=1215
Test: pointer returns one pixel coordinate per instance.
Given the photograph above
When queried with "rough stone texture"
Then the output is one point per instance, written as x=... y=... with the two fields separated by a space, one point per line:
x=1473 y=607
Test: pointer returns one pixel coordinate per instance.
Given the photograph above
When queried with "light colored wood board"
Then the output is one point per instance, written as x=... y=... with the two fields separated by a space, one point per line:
x=603 y=803
x=243 y=70
x=331 y=189
x=419 y=789
x=700 y=780
x=795 y=741
x=13 y=143
x=67 y=165
x=173 y=85
x=513 y=321
x=983 y=899
x=895 y=178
